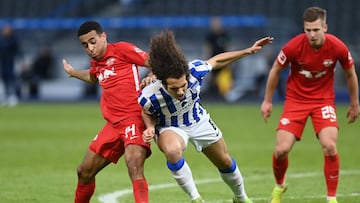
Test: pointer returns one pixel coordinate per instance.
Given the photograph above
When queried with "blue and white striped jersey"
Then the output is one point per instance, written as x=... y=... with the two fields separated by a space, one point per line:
x=170 y=111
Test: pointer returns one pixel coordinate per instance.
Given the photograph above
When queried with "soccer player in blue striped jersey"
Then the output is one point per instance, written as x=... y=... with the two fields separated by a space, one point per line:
x=172 y=109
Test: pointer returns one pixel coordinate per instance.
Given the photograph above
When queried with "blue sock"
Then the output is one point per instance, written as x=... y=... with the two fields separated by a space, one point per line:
x=176 y=166
x=231 y=169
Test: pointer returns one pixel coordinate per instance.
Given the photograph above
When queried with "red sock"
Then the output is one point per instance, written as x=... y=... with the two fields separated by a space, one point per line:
x=331 y=172
x=140 y=189
x=279 y=169
x=84 y=192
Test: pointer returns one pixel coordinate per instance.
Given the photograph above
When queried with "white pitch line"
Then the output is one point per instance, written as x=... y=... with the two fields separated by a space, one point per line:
x=113 y=196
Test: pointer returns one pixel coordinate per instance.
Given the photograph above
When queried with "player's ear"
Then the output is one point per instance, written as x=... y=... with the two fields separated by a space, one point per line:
x=325 y=27
x=103 y=36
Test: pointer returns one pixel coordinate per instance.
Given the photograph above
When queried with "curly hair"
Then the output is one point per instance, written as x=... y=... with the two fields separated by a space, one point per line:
x=166 y=58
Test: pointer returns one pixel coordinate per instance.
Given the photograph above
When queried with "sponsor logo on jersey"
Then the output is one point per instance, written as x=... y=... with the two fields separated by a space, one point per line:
x=106 y=74
x=350 y=58
x=282 y=58
x=314 y=74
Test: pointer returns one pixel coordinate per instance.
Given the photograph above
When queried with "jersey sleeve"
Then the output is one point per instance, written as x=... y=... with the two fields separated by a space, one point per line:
x=199 y=68
x=145 y=98
x=132 y=54
x=345 y=58
x=285 y=54
x=92 y=68
x=289 y=50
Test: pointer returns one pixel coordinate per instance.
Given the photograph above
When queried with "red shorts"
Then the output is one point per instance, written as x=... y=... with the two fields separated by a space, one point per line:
x=295 y=114
x=111 y=141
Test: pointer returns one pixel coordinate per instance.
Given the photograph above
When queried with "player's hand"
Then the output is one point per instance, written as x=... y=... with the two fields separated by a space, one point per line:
x=147 y=80
x=148 y=135
x=266 y=110
x=353 y=113
x=260 y=43
x=67 y=67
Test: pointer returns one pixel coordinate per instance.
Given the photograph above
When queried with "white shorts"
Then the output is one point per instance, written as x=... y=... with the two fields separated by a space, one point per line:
x=201 y=134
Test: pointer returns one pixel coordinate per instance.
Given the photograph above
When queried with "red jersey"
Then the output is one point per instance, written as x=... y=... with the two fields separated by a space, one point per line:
x=118 y=75
x=311 y=75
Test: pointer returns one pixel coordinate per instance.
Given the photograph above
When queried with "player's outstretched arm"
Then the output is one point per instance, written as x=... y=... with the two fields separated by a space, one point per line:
x=226 y=58
x=77 y=73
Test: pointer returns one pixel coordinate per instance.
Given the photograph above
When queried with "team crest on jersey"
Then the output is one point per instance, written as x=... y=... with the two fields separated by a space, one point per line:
x=285 y=121
x=328 y=62
x=110 y=61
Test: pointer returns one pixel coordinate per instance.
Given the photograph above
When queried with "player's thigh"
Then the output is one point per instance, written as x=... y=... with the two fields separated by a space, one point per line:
x=324 y=115
x=217 y=153
x=92 y=163
x=293 y=119
x=135 y=153
x=135 y=156
x=285 y=140
x=172 y=140
x=108 y=143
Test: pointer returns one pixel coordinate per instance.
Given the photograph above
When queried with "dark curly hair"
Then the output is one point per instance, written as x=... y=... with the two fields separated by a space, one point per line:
x=166 y=58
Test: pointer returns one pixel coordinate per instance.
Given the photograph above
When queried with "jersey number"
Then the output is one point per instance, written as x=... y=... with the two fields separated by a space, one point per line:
x=328 y=112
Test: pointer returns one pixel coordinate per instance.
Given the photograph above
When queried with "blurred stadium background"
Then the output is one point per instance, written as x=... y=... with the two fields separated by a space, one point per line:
x=43 y=142
x=55 y=23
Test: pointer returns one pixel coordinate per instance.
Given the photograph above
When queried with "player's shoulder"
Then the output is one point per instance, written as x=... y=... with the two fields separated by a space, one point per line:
x=196 y=62
x=294 y=45
x=298 y=39
x=121 y=45
x=199 y=65
x=334 y=40
x=152 y=88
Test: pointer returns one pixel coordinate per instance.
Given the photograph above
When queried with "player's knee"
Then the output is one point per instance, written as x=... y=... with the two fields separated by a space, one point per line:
x=330 y=148
x=226 y=163
x=135 y=161
x=84 y=174
x=173 y=152
x=281 y=152
x=135 y=168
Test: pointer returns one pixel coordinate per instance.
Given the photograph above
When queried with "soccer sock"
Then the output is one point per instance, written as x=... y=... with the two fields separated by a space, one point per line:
x=233 y=178
x=84 y=192
x=331 y=172
x=183 y=176
x=140 y=190
x=279 y=168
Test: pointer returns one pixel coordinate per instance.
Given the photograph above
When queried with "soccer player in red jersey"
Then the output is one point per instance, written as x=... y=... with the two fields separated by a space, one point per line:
x=310 y=93
x=115 y=67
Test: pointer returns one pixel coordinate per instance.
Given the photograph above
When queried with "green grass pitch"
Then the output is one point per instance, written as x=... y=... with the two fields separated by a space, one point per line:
x=42 y=144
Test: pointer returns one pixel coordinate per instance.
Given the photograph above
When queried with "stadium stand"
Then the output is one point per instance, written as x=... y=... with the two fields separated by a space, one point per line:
x=137 y=20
